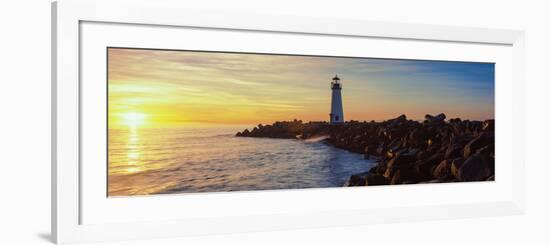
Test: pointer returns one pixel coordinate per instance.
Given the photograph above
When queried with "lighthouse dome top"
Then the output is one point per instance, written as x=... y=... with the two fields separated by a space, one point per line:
x=335 y=84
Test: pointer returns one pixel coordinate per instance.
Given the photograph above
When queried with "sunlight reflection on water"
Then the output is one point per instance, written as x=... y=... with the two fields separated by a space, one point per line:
x=205 y=159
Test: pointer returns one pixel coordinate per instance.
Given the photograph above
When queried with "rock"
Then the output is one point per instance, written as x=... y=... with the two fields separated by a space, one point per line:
x=407 y=151
x=475 y=126
x=396 y=179
x=373 y=179
x=489 y=125
x=397 y=162
x=254 y=132
x=367 y=150
x=366 y=179
x=401 y=168
x=475 y=168
x=488 y=154
x=401 y=158
x=455 y=120
x=434 y=147
x=393 y=151
x=424 y=167
x=357 y=179
x=455 y=166
x=403 y=174
x=442 y=170
x=440 y=118
x=487 y=150
x=370 y=150
x=475 y=144
x=454 y=151
x=400 y=120
x=373 y=170
x=418 y=138
x=380 y=149
x=421 y=155
x=381 y=168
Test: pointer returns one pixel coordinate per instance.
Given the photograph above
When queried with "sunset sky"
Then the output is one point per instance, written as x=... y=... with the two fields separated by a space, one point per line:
x=158 y=88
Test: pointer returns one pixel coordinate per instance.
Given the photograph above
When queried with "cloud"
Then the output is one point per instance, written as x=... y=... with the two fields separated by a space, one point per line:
x=249 y=87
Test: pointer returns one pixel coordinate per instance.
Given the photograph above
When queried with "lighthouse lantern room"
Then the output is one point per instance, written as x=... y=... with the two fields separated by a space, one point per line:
x=336 y=108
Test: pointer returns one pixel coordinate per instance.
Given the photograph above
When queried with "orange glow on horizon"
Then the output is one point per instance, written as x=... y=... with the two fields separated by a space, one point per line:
x=156 y=88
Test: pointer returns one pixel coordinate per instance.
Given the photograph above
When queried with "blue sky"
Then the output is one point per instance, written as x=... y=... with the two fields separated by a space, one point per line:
x=208 y=87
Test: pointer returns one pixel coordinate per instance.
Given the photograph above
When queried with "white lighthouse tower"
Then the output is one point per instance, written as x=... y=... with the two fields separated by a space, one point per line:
x=336 y=109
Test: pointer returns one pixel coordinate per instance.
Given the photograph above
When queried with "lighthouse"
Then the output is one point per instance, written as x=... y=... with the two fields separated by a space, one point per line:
x=336 y=109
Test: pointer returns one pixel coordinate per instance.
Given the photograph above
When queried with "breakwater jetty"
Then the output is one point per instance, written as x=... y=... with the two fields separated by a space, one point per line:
x=434 y=150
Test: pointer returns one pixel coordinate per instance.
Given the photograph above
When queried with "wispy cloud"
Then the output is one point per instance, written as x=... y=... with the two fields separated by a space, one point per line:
x=250 y=88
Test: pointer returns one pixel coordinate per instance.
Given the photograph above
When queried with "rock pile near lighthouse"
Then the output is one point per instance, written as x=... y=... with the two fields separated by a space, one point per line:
x=406 y=151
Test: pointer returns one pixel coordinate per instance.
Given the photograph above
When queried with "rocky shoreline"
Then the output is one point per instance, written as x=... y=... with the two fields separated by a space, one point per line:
x=407 y=152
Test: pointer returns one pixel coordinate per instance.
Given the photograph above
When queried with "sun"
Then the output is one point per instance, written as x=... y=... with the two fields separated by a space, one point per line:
x=133 y=119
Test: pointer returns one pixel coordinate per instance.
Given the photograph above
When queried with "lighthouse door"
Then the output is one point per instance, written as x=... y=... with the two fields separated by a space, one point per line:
x=336 y=118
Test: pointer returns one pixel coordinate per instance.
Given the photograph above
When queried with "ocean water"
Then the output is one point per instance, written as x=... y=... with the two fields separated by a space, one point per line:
x=212 y=159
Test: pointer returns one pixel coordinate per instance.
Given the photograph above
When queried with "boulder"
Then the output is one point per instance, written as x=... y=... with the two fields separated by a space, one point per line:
x=407 y=151
x=453 y=151
x=487 y=150
x=424 y=167
x=396 y=178
x=375 y=179
x=442 y=170
x=475 y=168
x=488 y=154
x=418 y=138
x=370 y=150
x=393 y=151
x=440 y=118
x=475 y=144
x=489 y=125
x=373 y=170
x=403 y=174
x=421 y=155
x=434 y=147
x=413 y=152
x=455 y=166
x=357 y=179
x=401 y=158
x=400 y=120
x=366 y=179
x=455 y=120
x=380 y=149
x=255 y=132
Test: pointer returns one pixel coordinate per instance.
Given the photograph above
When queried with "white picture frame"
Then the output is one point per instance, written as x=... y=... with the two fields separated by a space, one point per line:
x=68 y=17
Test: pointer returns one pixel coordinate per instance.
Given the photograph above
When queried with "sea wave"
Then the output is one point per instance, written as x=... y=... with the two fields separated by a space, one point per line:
x=151 y=161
